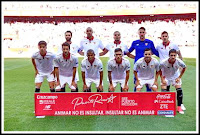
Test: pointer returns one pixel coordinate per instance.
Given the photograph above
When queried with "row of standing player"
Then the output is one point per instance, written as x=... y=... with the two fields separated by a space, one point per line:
x=92 y=43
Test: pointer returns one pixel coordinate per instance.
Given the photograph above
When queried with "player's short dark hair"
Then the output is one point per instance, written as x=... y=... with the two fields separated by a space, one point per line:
x=68 y=32
x=90 y=51
x=66 y=44
x=117 y=31
x=147 y=49
x=142 y=28
x=172 y=51
x=42 y=43
x=118 y=49
x=164 y=32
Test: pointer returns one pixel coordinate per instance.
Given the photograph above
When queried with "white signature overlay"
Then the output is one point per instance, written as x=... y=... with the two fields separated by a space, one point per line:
x=93 y=99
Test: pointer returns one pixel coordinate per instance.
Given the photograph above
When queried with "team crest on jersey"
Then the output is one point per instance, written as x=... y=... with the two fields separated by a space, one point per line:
x=94 y=42
x=161 y=48
x=112 y=46
x=146 y=44
x=169 y=48
x=95 y=65
x=151 y=66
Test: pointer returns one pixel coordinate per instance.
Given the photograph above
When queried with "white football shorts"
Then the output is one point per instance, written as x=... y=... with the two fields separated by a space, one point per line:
x=40 y=77
x=144 y=82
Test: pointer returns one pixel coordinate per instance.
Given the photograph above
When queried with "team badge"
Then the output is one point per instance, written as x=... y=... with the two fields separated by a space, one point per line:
x=94 y=42
x=169 y=48
x=95 y=65
x=112 y=46
x=161 y=48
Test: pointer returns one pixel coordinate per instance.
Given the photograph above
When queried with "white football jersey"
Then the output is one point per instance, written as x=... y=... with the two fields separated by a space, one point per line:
x=44 y=64
x=169 y=71
x=118 y=70
x=73 y=49
x=145 y=71
x=112 y=46
x=164 y=51
x=66 y=66
x=94 y=44
x=92 y=71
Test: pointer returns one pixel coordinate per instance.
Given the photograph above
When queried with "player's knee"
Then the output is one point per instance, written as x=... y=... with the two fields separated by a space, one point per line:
x=154 y=88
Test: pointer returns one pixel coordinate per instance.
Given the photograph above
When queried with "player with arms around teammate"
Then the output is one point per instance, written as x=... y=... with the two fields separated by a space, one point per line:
x=170 y=75
x=144 y=71
x=43 y=64
x=139 y=46
x=92 y=72
x=118 y=71
x=65 y=66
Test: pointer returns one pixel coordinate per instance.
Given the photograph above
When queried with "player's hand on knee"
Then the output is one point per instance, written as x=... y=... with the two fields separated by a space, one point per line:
x=177 y=80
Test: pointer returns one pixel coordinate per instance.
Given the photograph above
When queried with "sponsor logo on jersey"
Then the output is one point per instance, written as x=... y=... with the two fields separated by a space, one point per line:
x=146 y=44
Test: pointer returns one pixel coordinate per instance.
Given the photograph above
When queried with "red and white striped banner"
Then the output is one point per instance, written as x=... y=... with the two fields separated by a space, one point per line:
x=108 y=103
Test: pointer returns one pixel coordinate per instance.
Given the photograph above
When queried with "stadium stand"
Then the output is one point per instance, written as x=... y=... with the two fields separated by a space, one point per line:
x=21 y=33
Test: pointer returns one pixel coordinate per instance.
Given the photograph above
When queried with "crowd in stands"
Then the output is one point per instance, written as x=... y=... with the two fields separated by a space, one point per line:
x=26 y=35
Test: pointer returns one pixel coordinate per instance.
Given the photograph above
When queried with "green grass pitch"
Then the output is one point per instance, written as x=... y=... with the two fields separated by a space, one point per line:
x=19 y=105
